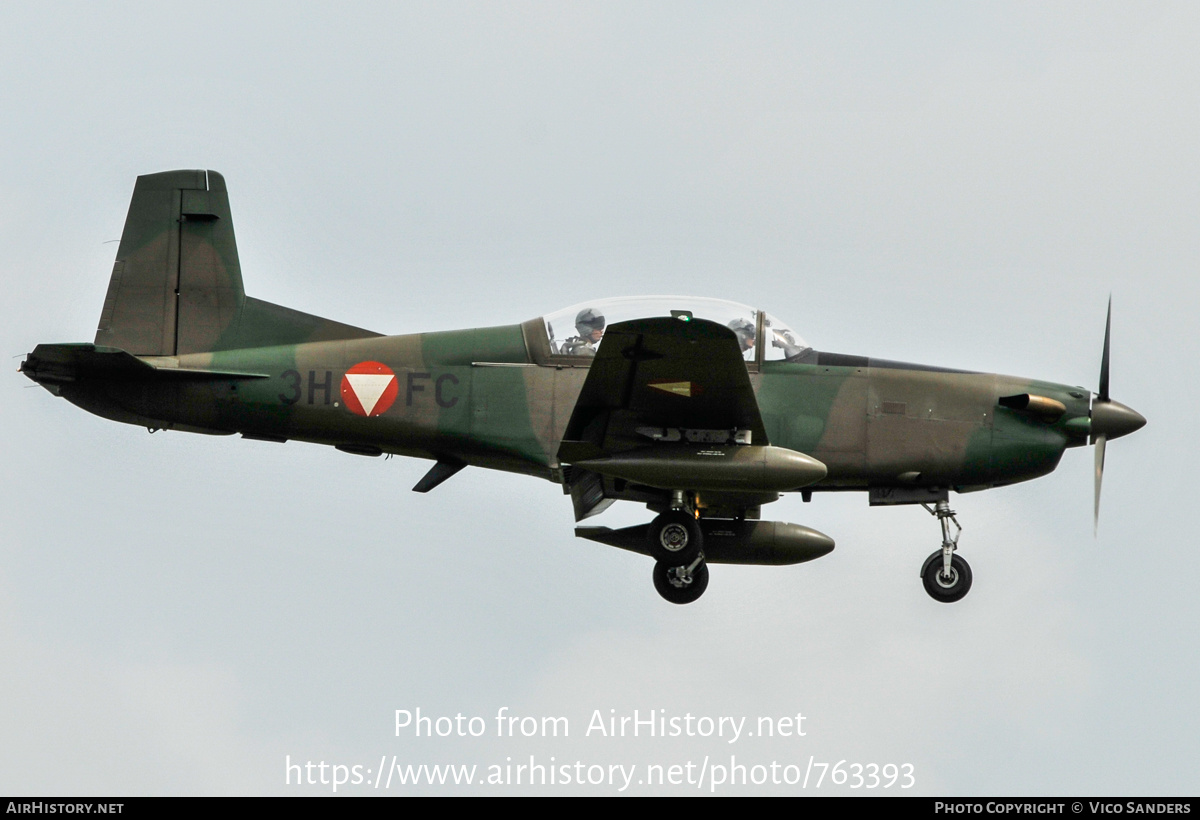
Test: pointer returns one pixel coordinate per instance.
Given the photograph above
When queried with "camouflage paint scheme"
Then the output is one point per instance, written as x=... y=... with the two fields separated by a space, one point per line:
x=476 y=395
x=181 y=347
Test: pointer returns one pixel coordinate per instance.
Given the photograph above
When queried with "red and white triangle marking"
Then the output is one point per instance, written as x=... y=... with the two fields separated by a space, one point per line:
x=369 y=388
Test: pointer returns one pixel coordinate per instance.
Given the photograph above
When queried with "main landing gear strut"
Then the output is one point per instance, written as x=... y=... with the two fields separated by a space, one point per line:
x=677 y=546
x=947 y=577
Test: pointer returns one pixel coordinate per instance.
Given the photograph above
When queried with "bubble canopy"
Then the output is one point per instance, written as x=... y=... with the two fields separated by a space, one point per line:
x=577 y=330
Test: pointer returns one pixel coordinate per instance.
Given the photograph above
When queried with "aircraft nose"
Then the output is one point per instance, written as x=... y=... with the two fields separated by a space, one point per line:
x=1112 y=419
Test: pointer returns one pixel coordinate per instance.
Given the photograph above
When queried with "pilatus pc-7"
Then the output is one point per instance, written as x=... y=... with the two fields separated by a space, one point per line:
x=703 y=410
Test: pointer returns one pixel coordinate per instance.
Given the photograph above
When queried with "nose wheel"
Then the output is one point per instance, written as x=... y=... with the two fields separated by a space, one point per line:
x=947 y=576
x=943 y=586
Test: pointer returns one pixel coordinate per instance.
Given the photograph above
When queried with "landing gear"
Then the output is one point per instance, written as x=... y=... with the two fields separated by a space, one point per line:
x=676 y=544
x=675 y=538
x=683 y=584
x=943 y=586
x=947 y=577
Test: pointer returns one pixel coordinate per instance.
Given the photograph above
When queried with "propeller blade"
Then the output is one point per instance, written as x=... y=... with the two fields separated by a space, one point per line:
x=1100 y=441
x=1104 y=357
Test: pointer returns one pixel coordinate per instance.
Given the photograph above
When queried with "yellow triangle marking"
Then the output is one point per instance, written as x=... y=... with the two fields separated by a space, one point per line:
x=675 y=388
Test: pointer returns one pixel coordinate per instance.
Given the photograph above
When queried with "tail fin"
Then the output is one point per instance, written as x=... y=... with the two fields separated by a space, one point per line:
x=176 y=285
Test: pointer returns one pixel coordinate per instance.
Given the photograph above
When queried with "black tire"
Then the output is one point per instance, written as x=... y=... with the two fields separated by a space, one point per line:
x=669 y=587
x=946 y=590
x=675 y=538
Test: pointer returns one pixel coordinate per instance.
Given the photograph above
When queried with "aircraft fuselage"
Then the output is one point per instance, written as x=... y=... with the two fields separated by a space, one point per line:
x=478 y=395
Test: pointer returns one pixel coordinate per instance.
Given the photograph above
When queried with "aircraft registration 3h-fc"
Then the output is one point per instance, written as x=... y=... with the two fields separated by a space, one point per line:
x=701 y=409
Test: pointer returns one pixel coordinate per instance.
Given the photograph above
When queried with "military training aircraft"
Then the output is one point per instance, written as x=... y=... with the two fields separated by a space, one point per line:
x=703 y=410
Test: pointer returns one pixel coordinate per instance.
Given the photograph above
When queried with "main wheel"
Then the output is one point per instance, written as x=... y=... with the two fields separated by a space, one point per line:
x=675 y=538
x=677 y=588
x=942 y=588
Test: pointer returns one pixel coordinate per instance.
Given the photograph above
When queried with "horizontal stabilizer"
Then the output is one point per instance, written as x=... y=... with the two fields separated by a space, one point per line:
x=63 y=363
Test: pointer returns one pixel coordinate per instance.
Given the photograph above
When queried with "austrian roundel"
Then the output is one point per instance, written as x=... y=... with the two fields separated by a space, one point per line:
x=369 y=388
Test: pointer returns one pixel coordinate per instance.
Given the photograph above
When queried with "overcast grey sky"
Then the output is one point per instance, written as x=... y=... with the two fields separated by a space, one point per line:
x=955 y=184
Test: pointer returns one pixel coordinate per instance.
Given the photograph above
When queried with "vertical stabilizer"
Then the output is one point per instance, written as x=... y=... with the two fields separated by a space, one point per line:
x=176 y=286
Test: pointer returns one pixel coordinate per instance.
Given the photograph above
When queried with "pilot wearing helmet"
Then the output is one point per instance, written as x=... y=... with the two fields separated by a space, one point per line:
x=744 y=329
x=589 y=324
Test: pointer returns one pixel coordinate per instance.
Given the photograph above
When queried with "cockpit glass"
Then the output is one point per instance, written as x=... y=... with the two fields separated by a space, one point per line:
x=780 y=342
x=578 y=330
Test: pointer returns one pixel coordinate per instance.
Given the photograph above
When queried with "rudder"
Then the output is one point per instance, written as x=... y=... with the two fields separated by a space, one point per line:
x=176 y=285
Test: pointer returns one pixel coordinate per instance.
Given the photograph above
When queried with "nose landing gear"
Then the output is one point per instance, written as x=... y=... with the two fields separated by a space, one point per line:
x=947 y=576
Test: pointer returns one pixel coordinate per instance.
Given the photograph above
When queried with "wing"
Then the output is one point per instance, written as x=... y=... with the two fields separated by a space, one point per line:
x=668 y=405
x=678 y=376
